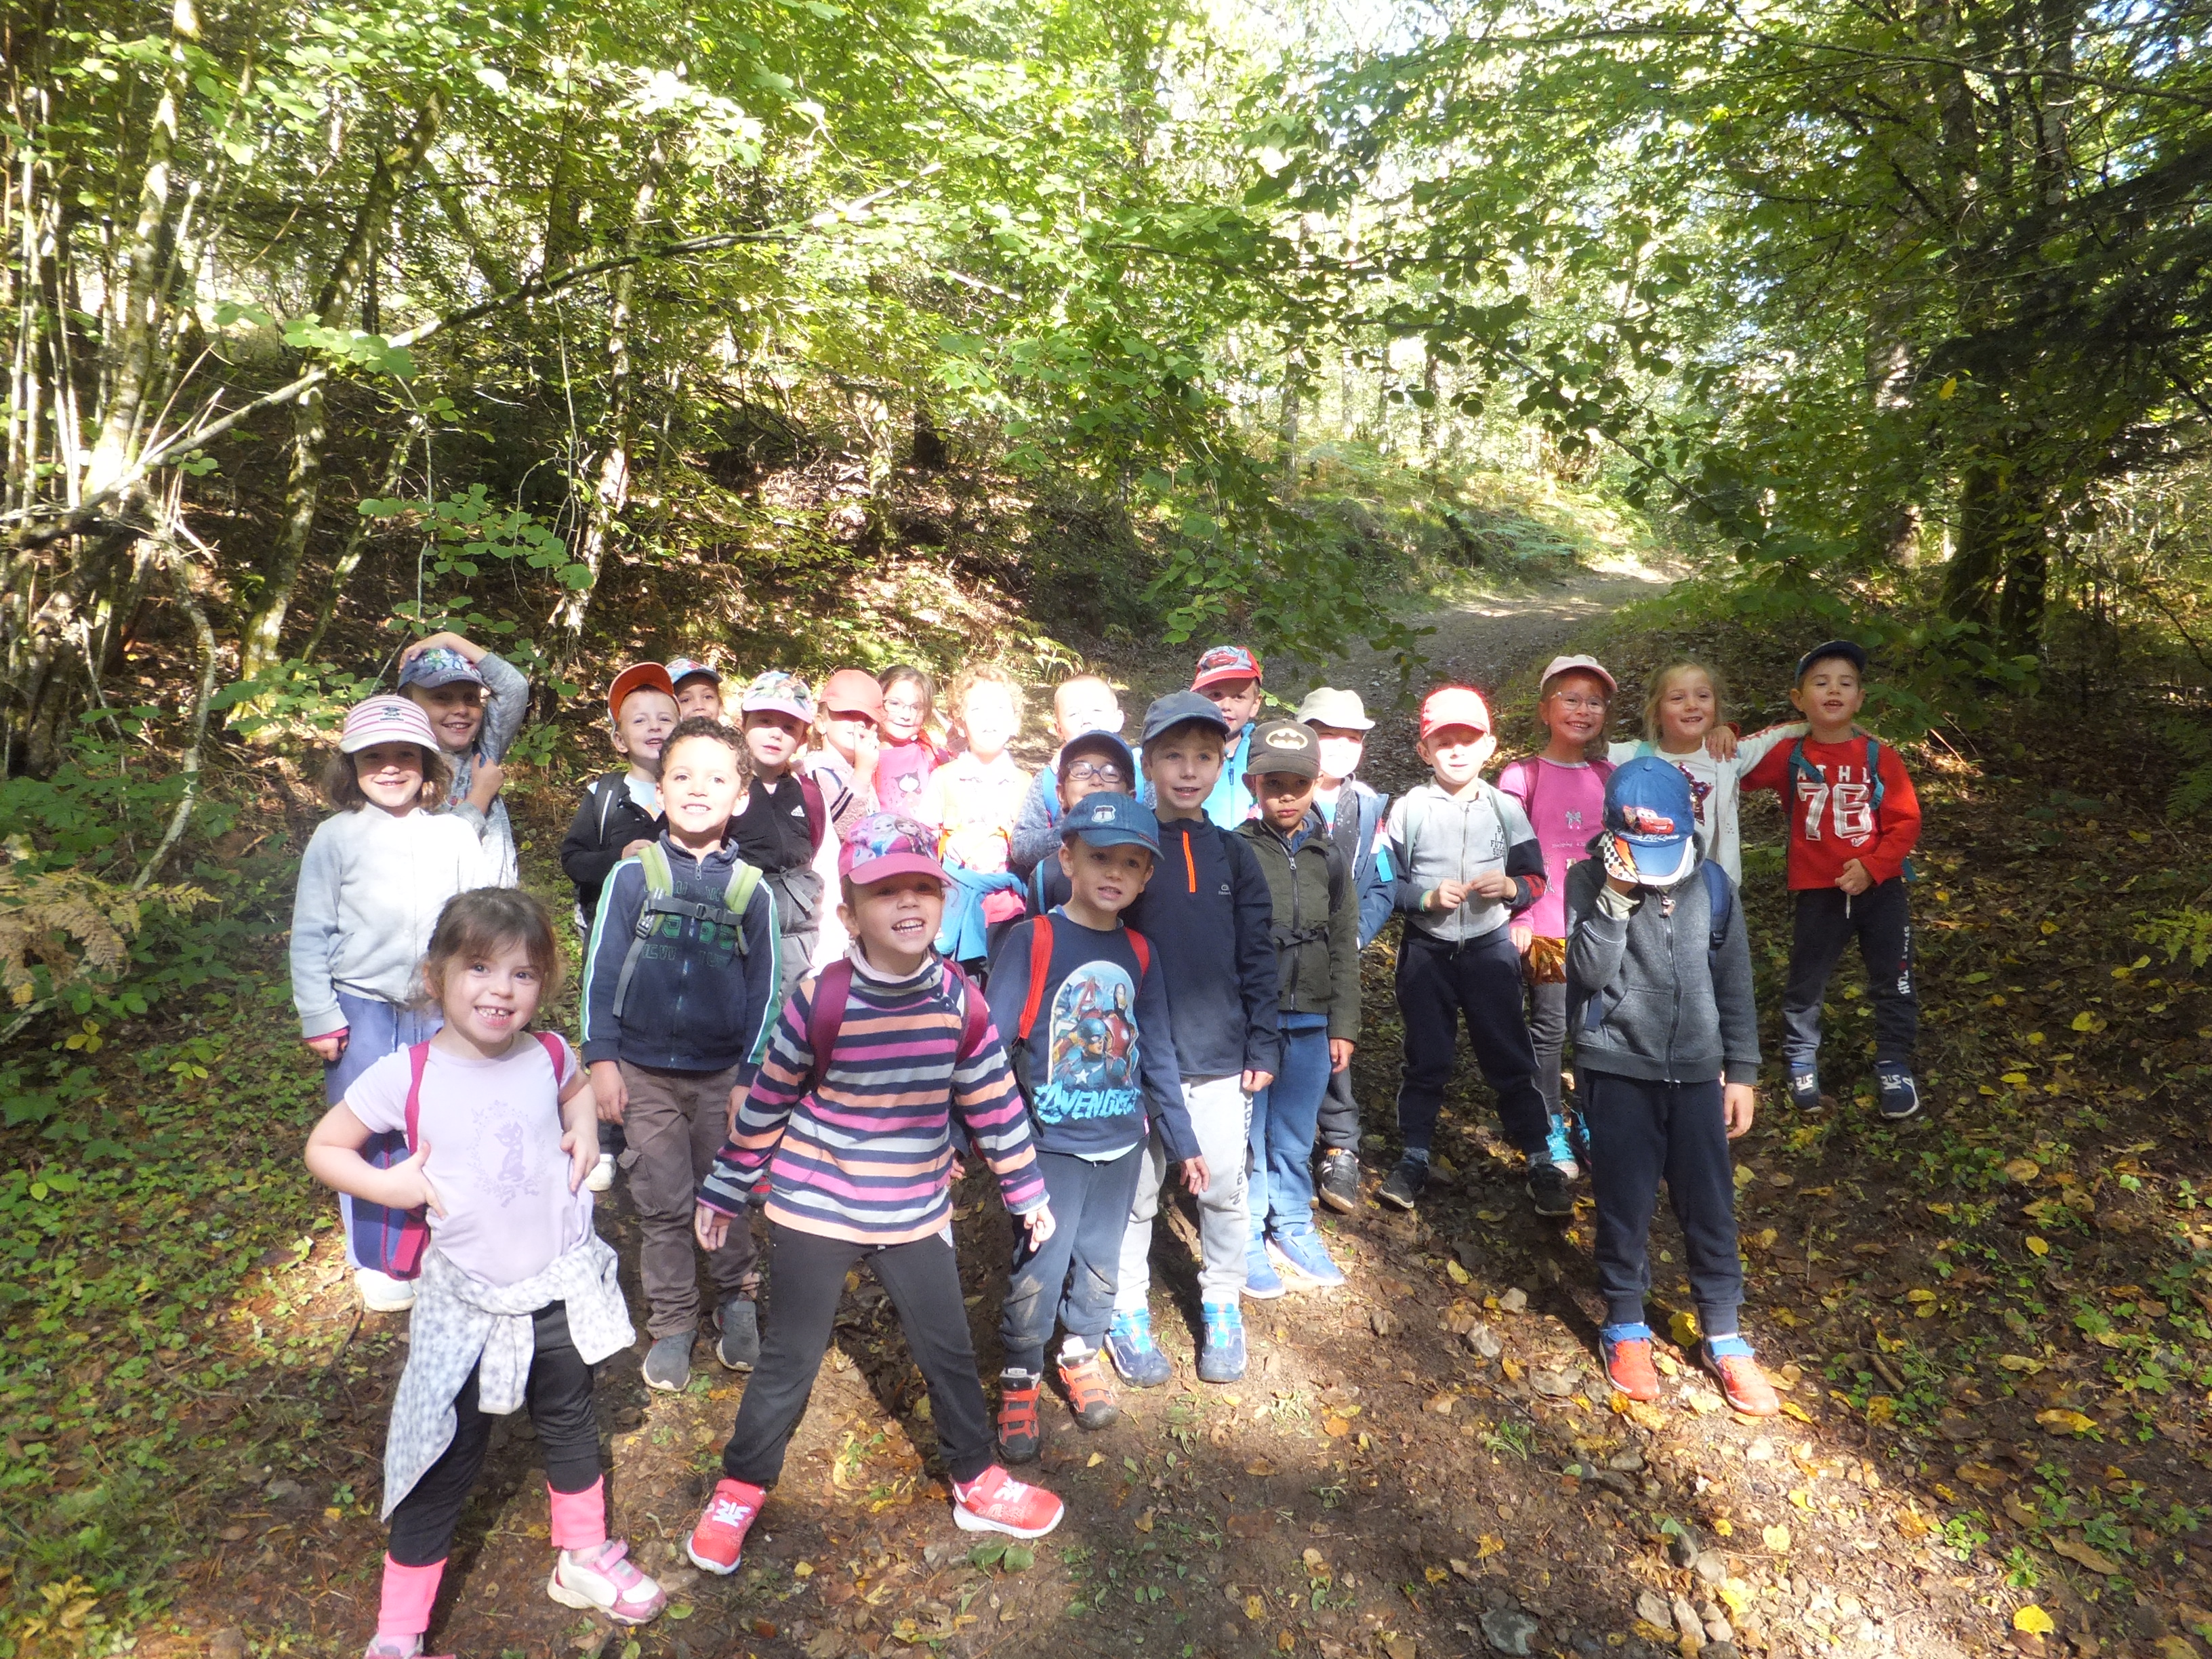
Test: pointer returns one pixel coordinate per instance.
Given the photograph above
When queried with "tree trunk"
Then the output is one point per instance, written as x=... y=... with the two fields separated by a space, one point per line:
x=258 y=647
x=357 y=541
x=2004 y=549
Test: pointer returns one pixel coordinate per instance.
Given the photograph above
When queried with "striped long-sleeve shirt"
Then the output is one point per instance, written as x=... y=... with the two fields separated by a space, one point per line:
x=862 y=1153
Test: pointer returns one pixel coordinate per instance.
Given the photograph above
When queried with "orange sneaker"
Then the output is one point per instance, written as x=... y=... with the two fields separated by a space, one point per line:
x=1017 y=1416
x=995 y=1502
x=1744 y=1384
x=719 y=1538
x=1628 y=1363
x=1089 y=1396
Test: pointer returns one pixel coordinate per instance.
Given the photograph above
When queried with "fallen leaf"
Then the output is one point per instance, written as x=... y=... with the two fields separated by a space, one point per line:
x=1488 y=1544
x=1776 y=1538
x=1399 y=1646
x=1254 y=1608
x=2064 y=1422
x=1261 y=1467
x=1701 y=1402
x=1459 y=1274
x=1336 y=1427
x=1683 y=1328
x=2023 y=1170
x=1791 y=1409
x=2075 y=1550
x=1490 y=1215
x=803 y=1570
x=1096 y=1458
x=1435 y=1575
x=2033 y=1619
x=1315 y=1561
x=1144 y=1522
x=1284 y=1642
x=2020 y=1362
x=2037 y=1245
x=1511 y=1367
x=1984 y=1476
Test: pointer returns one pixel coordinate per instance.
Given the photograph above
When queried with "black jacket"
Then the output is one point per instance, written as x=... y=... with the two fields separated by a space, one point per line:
x=1211 y=918
x=608 y=821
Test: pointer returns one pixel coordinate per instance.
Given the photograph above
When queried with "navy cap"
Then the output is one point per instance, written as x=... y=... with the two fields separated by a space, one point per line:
x=1106 y=744
x=1651 y=820
x=1849 y=651
x=1110 y=818
x=1179 y=707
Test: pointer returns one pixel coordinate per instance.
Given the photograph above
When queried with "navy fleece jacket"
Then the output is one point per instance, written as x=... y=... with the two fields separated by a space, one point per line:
x=1211 y=919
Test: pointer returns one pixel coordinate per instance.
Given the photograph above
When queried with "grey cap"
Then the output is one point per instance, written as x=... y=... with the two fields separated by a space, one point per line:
x=1325 y=705
x=1179 y=707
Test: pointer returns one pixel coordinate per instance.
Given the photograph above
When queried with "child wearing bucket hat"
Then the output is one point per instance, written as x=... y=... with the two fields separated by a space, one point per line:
x=1659 y=1003
x=373 y=879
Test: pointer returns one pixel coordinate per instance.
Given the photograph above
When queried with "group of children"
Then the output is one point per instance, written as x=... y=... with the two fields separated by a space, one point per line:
x=815 y=977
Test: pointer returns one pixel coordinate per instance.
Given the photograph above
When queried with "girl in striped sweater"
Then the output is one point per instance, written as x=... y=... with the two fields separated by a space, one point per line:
x=848 y=1131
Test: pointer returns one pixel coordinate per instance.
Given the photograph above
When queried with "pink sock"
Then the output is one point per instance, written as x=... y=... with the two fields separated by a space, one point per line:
x=579 y=1518
x=404 y=1610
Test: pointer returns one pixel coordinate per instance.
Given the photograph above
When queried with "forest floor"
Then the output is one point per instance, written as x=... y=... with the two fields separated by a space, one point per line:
x=1990 y=1325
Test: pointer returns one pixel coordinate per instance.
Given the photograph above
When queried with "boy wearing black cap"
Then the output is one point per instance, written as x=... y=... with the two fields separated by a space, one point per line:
x=1084 y=1012
x=1659 y=1002
x=1854 y=819
x=1317 y=939
x=1209 y=917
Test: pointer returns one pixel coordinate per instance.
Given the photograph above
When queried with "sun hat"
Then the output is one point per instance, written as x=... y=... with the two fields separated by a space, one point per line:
x=440 y=665
x=1225 y=662
x=1849 y=651
x=1285 y=746
x=1650 y=822
x=681 y=669
x=1093 y=742
x=638 y=677
x=1327 y=705
x=1110 y=819
x=386 y=719
x=1179 y=707
x=778 y=692
x=884 y=845
x=1559 y=665
x=1454 y=705
x=853 y=691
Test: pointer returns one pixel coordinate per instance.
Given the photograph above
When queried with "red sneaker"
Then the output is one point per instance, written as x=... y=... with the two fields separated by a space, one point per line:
x=995 y=1502
x=1017 y=1416
x=1744 y=1384
x=1628 y=1368
x=719 y=1538
x=1089 y=1396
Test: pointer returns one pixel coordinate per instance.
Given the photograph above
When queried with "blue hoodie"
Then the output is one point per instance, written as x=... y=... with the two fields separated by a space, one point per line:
x=1360 y=837
x=696 y=1003
x=1211 y=919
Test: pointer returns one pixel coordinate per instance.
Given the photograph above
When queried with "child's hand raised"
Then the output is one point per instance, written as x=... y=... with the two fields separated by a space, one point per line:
x=1720 y=743
x=1039 y=1223
x=583 y=1149
x=484 y=784
x=329 y=1046
x=409 y=1185
x=709 y=1227
x=1196 y=1177
x=610 y=1090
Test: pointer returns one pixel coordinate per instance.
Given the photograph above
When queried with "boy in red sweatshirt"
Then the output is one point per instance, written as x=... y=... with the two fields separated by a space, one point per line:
x=1853 y=821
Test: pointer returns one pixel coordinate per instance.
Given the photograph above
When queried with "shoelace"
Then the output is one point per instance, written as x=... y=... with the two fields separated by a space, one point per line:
x=731 y=1512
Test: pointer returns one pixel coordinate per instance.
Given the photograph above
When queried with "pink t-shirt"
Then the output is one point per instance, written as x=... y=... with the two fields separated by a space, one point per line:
x=902 y=772
x=494 y=1130
x=1566 y=805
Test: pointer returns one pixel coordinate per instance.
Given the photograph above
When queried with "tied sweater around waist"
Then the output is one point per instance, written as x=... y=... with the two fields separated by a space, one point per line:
x=862 y=1153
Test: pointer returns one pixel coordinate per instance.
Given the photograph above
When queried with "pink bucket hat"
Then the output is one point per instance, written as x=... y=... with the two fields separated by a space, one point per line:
x=387 y=720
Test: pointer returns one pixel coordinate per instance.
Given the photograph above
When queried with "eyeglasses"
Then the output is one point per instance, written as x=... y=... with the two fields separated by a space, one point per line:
x=1582 y=705
x=1094 y=772
x=902 y=706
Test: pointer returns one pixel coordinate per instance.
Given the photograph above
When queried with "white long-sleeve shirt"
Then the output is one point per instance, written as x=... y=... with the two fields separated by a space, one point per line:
x=1716 y=787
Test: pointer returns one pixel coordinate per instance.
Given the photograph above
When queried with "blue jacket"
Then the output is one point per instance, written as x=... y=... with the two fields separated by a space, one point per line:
x=1211 y=918
x=1359 y=835
x=1231 y=803
x=697 y=1002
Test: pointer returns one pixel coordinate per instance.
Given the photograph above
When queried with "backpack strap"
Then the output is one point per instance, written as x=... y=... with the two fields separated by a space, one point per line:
x=1143 y=947
x=1720 y=900
x=738 y=898
x=976 y=1014
x=817 y=810
x=418 y=1058
x=607 y=788
x=1874 y=775
x=833 y=988
x=1039 y=968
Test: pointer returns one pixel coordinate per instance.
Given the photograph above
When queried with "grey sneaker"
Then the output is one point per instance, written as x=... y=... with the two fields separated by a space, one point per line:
x=1340 y=1179
x=739 y=1345
x=1403 y=1190
x=668 y=1364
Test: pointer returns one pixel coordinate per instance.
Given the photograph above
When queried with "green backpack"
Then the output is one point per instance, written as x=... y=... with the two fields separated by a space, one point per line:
x=660 y=901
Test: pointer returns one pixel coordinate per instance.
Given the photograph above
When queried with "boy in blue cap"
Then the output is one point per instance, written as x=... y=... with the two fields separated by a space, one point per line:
x=1659 y=1003
x=1083 y=1009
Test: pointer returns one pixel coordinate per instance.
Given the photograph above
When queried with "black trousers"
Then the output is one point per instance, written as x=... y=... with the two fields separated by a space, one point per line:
x=806 y=1278
x=559 y=1397
x=1827 y=919
x=1547 y=1036
x=1642 y=1132
x=1479 y=980
x=1339 y=1115
x=1071 y=1278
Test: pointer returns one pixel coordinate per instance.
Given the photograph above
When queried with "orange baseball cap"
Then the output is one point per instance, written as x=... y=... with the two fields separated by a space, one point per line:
x=1455 y=705
x=641 y=677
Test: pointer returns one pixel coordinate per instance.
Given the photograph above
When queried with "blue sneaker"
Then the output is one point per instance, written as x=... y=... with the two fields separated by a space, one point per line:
x=1559 y=1147
x=1305 y=1258
x=1221 y=1349
x=1261 y=1282
x=1900 y=1095
x=1805 y=1090
x=1136 y=1357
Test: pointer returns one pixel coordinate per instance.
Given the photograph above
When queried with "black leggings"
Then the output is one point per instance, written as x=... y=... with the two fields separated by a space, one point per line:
x=559 y=1399
x=807 y=1278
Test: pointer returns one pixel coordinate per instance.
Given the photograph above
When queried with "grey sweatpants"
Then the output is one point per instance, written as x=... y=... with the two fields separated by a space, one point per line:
x=1221 y=1113
x=675 y=1124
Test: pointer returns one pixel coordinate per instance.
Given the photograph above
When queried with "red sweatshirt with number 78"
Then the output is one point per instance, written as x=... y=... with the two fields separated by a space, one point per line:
x=1832 y=815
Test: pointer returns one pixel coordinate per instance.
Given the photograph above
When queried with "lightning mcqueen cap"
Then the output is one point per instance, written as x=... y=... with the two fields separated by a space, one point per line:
x=1650 y=821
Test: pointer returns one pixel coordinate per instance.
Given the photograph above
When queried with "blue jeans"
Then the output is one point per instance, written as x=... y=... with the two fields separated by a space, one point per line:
x=1072 y=1276
x=1285 y=1115
x=374 y=1028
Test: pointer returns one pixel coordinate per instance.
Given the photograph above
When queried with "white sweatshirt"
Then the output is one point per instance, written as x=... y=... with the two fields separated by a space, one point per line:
x=1716 y=787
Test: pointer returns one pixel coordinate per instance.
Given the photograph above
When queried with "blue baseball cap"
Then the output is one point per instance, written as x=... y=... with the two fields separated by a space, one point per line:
x=1651 y=820
x=1112 y=819
x=1178 y=708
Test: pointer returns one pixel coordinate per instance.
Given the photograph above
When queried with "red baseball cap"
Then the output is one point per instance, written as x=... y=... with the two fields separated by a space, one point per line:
x=639 y=677
x=884 y=845
x=1455 y=705
x=1225 y=662
x=853 y=691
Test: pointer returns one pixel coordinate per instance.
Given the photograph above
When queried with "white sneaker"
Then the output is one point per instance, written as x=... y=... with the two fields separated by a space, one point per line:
x=602 y=1175
x=382 y=1293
